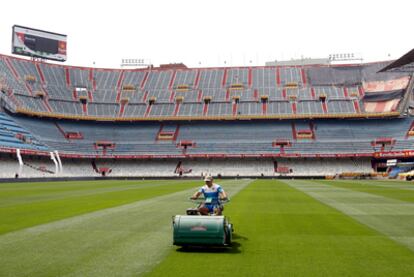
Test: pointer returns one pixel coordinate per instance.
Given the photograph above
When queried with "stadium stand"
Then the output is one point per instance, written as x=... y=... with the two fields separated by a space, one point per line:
x=327 y=137
x=340 y=117
x=13 y=135
x=291 y=92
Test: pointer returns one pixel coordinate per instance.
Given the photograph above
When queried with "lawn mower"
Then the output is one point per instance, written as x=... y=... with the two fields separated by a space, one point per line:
x=198 y=228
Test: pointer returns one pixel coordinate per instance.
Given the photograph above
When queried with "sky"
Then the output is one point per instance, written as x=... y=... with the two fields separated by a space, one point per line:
x=215 y=32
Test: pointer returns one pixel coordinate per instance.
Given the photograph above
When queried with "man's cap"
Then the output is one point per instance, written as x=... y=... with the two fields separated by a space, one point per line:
x=208 y=178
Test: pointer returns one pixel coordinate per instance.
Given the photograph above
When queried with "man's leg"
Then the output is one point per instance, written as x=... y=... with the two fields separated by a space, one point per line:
x=203 y=210
x=220 y=209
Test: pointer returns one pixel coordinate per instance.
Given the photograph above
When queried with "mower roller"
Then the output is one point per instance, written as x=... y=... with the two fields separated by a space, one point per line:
x=195 y=229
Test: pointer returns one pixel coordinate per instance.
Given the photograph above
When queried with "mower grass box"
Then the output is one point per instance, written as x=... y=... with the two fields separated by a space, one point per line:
x=201 y=230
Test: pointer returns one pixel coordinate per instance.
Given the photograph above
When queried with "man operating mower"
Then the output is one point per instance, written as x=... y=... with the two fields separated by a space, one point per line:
x=213 y=193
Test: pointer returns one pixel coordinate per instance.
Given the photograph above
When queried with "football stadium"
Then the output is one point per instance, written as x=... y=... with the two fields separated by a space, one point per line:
x=305 y=165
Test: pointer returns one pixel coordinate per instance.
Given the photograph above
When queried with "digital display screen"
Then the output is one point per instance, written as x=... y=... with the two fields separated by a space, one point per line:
x=37 y=43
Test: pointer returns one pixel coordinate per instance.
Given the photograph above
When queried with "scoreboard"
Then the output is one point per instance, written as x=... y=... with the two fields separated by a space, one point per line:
x=38 y=44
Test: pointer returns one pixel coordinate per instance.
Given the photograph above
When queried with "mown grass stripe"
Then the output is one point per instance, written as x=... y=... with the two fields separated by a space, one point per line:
x=125 y=240
x=23 y=215
x=281 y=231
x=22 y=190
x=384 y=182
x=391 y=189
x=391 y=217
x=30 y=195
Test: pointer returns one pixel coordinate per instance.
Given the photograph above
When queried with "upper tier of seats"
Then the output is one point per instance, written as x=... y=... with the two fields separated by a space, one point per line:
x=200 y=93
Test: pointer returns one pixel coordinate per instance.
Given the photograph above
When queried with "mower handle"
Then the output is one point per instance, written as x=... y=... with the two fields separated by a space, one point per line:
x=202 y=199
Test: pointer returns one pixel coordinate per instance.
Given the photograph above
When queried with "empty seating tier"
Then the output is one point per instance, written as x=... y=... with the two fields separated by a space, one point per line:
x=284 y=92
x=316 y=138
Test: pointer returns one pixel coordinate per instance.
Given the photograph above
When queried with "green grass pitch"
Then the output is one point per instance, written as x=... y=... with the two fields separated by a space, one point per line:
x=282 y=228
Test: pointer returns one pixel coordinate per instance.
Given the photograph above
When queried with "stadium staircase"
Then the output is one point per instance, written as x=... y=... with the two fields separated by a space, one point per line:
x=180 y=170
x=383 y=144
x=42 y=169
x=301 y=131
x=167 y=133
x=281 y=144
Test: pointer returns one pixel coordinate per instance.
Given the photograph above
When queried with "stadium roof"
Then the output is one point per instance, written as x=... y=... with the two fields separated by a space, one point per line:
x=403 y=64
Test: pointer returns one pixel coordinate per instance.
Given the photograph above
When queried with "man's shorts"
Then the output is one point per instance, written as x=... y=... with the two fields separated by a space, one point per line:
x=211 y=207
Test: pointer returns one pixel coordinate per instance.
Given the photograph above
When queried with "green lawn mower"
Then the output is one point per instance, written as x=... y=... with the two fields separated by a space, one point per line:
x=198 y=228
